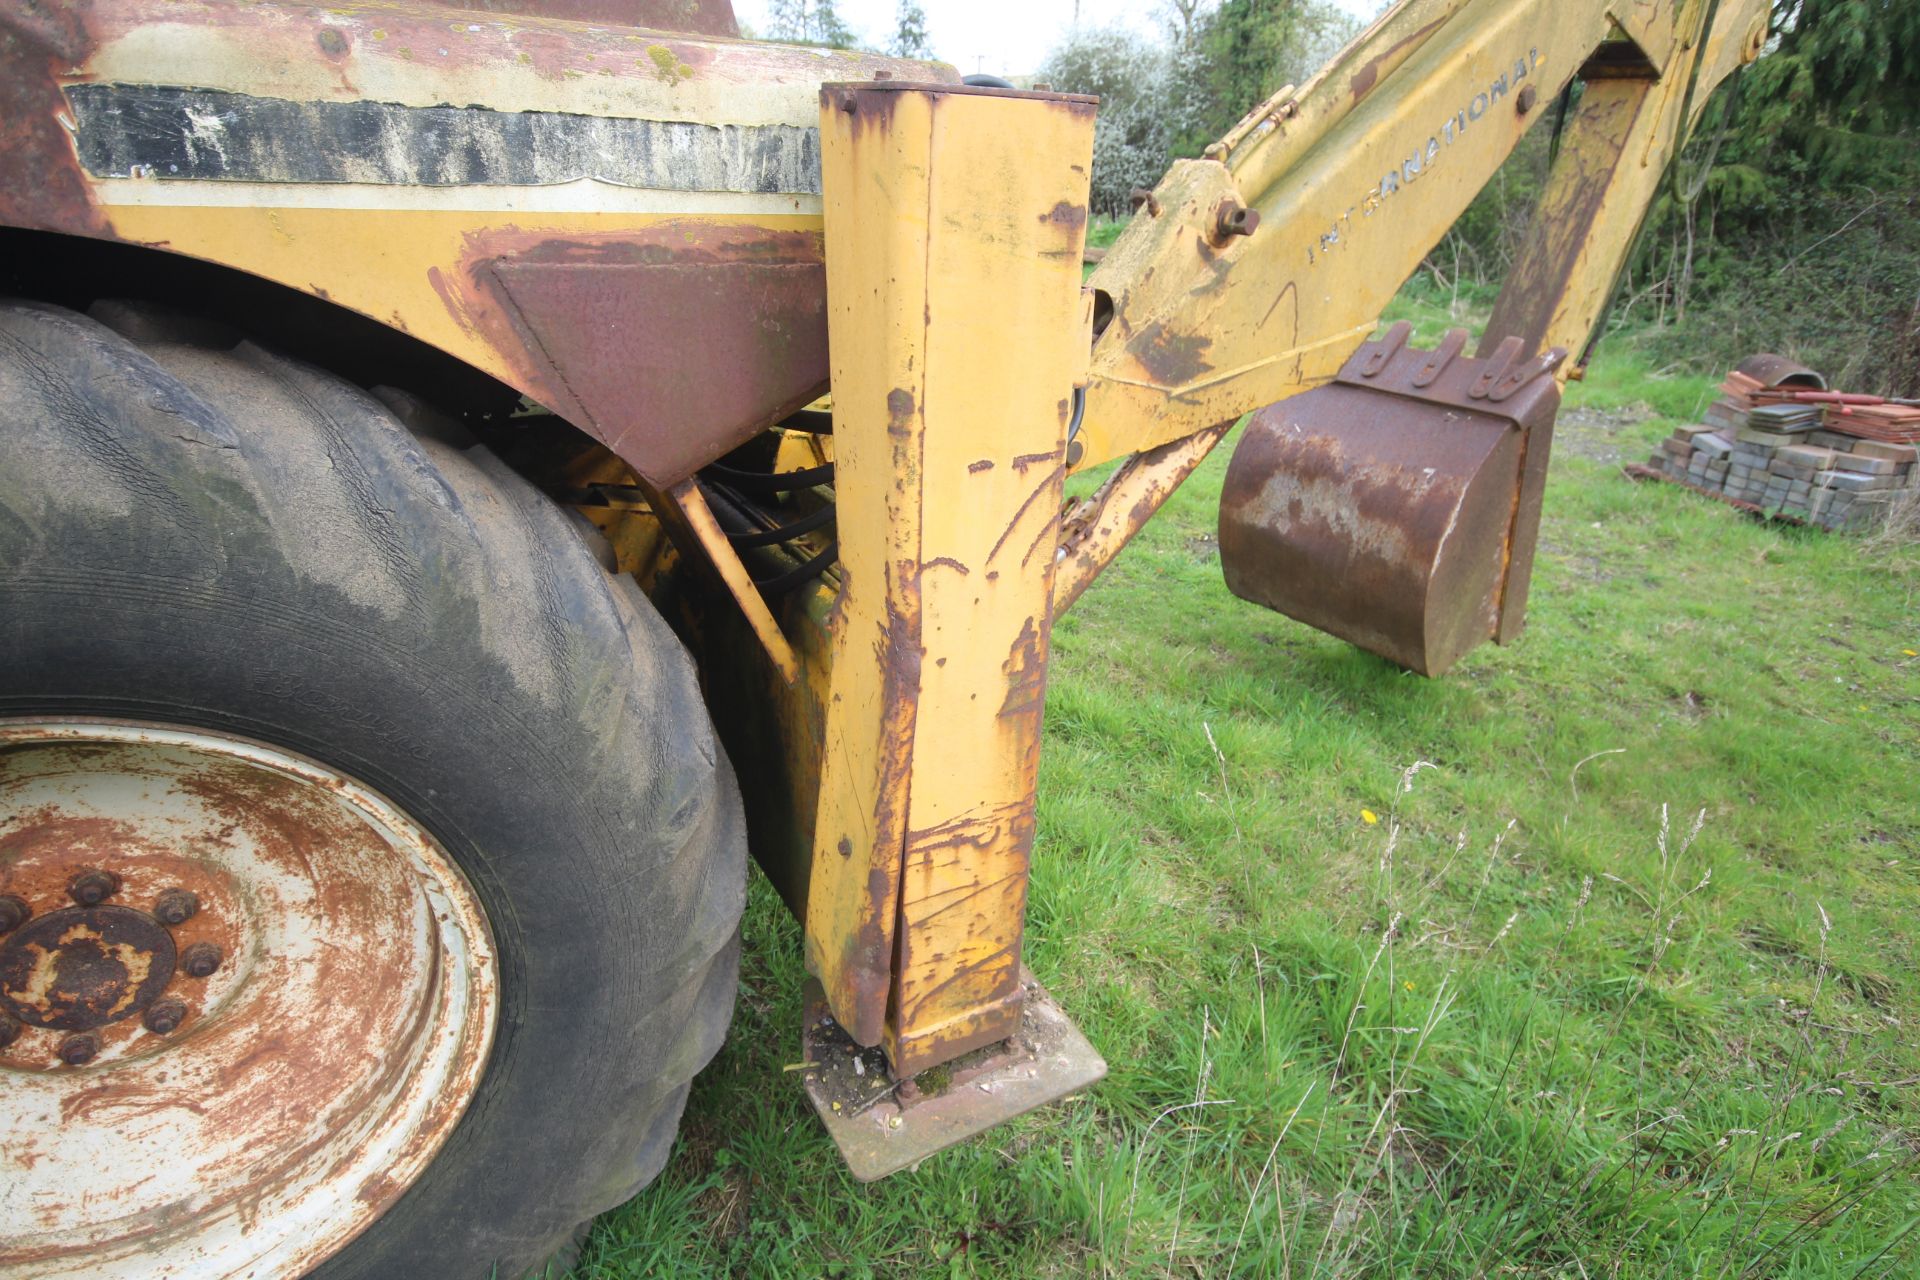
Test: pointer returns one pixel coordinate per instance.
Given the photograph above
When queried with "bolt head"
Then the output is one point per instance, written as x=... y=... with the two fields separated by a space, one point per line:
x=201 y=960
x=164 y=1017
x=10 y=1029
x=92 y=887
x=1233 y=219
x=14 y=912
x=78 y=1051
x=176 y=906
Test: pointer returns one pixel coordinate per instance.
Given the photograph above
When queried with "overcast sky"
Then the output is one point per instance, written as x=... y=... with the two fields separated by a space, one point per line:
x=1000 y=37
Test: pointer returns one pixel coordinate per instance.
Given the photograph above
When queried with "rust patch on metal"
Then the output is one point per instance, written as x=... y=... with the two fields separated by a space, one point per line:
x=993 y=1004
x=45 y=188
x=1063 y=214
x=38 y=860
x=1048 y=483
x=1362 y=82
x=872 y=103
x=671 y=345
x=698 y=17
x=864 y=968
x=900 y=408
x=556 y=39
x=84 y=967
x=1095 y=529
x=1009 y=824
x=1771 y=370
x=1026 y=674
x=1172 y=359
x=883 y=1123
x=225 y=1082
x=1397 y=506
x=1590 y=155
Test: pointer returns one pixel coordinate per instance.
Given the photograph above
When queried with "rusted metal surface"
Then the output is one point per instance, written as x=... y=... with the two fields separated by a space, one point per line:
x=91 y=888
x=1770 y=370
x=671 y=346
x=382 y=154
x=884 y=1123
x=1355 y=175
x=43 y=186
x=959 y=334
x=201 y=960
x=704 y=17
x=1095 y=529
x=272 y=1092
x=1565 y=260
x=176 y=906
x=1397 y=507
x=1231 y=218
x=420 y=53
x=696 y=517
x=163 y=1017
x=78 y=1051
x=83 y=967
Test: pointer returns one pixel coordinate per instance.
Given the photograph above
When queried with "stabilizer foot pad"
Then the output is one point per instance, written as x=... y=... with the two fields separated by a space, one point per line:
x=883 y=1125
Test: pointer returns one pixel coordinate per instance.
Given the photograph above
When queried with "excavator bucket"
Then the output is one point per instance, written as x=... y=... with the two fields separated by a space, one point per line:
x=1397 y=506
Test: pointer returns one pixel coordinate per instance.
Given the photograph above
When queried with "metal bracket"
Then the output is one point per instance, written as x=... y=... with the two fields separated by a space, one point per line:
x=883 y=1125
x=697 y=518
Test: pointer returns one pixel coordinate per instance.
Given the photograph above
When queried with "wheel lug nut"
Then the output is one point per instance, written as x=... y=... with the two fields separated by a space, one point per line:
x=10 y=1029
x=13 y=913
x=78 y=1051
x=164 y=1017
x=91 y=888
x=200 y=960
x=176 y=906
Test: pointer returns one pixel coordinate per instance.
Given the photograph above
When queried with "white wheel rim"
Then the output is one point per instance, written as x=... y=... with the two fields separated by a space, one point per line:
x=318 y=1069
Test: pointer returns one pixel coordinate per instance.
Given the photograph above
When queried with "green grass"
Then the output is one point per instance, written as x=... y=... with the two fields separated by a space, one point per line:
x=1103 y=231
x=1529 y=1022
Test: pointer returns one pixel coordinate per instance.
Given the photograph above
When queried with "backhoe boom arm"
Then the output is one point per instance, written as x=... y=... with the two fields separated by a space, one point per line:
x=1358 y=175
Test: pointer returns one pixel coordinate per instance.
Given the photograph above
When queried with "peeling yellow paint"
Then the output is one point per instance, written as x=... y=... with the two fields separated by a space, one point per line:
x=925 y=823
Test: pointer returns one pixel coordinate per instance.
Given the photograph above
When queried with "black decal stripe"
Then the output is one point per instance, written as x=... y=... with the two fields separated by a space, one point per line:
x=164 y=132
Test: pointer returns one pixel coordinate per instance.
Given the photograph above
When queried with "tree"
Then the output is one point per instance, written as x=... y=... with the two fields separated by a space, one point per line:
x=1840 y=89
x=808 y=22
x=910 y=32
x=1184 y=19
x=1251 y=48
x=1159 y=102
x=1131 y=134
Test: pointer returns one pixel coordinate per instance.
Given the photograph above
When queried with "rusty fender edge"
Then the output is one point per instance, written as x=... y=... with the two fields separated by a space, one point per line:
x=600 y=191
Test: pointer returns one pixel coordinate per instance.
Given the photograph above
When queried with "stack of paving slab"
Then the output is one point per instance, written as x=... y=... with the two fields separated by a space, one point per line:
x=1826 y=465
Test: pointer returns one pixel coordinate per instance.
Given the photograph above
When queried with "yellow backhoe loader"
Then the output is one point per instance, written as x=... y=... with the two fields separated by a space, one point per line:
x=471 y=471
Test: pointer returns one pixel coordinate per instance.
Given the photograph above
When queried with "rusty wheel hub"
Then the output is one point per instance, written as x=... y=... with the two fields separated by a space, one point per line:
x=263 y=988
x=84 y=967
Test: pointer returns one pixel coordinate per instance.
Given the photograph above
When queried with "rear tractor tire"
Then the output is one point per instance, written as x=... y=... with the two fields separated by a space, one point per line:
x=370 y=874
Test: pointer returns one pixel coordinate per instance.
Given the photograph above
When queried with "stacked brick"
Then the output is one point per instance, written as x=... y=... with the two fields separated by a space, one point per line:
x=1838 y=466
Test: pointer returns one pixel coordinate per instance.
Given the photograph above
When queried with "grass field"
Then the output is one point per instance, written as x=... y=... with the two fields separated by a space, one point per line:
x=1594 y=958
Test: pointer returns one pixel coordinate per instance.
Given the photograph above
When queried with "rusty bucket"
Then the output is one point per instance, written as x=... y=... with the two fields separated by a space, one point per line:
x=1397 y=506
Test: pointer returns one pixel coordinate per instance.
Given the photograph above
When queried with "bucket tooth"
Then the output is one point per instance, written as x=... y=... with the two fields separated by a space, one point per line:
x=1397 y=506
